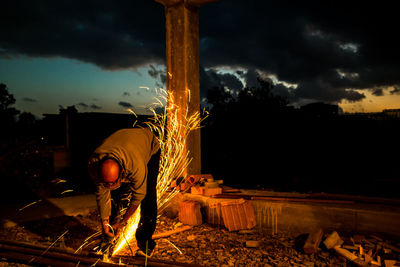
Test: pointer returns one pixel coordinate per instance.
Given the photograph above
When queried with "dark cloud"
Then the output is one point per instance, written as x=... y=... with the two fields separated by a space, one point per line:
x=82 y=105
x=250 y=77
x=305 y=44
x=28 y=99
x=158 y=74
x=395 y=91
x=95 y=107
x=286 y=92
x=321 y=90
x=211 y=78
x=125 y=104
x=328 y=49
x=113 y=36
x=86 y=106
x=378 y=92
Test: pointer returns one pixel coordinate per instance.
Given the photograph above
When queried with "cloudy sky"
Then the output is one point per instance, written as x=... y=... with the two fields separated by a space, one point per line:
x=106 y=56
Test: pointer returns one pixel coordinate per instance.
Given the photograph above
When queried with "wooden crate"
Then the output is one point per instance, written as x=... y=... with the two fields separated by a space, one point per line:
x=238 y=215
x=189 y=212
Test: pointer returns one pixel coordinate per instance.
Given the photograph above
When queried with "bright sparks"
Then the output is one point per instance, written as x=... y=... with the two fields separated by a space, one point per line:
x=172 y=130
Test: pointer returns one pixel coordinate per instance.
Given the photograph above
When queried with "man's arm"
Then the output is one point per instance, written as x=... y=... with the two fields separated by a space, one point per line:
x=105 y=222
x=117 y=227
x=129 y=212
x=103 y=199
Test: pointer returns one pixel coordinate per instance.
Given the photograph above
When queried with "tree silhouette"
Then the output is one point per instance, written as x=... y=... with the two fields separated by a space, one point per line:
x=7 y=100
x=7 y=115
x=261 y=99
x=239 y=140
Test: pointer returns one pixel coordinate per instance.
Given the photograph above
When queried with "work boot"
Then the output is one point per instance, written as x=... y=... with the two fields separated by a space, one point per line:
x=151 y=244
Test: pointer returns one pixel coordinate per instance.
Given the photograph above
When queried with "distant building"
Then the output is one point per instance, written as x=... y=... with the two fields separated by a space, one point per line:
x=392 y=112
x=320 y=109
x=72 y=136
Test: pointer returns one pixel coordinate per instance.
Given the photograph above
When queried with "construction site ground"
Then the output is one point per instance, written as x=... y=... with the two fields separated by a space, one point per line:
x=203 y=245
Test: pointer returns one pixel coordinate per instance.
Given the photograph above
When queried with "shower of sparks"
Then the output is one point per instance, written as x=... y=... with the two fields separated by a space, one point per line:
x=172 y=132
x=33 y=203
x=49 y=247
x=67 y=191
x=175 y=247
x=86 y=242
x=128 y=233
x=145 y=87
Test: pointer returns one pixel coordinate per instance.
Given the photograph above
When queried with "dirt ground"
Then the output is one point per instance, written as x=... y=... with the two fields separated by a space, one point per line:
x=203 y=245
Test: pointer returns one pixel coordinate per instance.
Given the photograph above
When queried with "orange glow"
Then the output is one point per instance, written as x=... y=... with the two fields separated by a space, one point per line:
x=372 y=103
x=172 y=130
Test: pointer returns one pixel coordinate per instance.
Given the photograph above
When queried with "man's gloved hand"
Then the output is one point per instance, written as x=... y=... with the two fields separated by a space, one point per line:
x=107 y=228
x=118 y=227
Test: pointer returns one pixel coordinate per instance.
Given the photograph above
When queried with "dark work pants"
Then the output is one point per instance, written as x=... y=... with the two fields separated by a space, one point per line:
x=148 y=213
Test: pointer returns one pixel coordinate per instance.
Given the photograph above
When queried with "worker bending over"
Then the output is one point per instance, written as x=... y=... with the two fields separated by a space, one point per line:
x=125 y=168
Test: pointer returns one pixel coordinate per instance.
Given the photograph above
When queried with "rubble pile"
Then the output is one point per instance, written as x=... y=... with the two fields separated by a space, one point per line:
x=210 y=246
x=365 y=250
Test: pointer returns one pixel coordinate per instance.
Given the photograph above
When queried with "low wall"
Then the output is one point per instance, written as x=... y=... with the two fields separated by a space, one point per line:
x=298 y=217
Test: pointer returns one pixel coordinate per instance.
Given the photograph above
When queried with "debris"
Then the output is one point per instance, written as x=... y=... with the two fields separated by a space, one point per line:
x=376 y=237
x=368 y=258
x=350 y=247
x=8 y=224
x=358 y=238
x=378 y=262
x=252 y=244
x=391 y=263
x=168 y=233
x=386 y=245
x=333 y=240
x=349 y=256
x=244 y=232
x=191 y=237
x=313 y=241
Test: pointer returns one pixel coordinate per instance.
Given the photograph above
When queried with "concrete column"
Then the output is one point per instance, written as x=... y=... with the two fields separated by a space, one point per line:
x=183 y=78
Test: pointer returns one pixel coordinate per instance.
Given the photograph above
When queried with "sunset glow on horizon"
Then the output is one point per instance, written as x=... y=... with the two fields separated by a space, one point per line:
x=372 y=103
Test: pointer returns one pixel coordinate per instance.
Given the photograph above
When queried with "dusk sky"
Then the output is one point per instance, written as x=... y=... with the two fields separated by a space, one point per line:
x=105 y=56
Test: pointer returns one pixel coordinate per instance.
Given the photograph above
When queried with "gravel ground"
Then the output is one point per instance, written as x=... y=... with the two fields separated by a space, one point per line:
x=203 y=245
x=209 y=246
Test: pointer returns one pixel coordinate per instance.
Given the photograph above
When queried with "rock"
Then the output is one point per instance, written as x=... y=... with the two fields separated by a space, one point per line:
x=312 y=243
x=191 y=237
x=244 y=232
x=9 y=224
x=333 y=240
x=252 y=244
x=179 y=224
